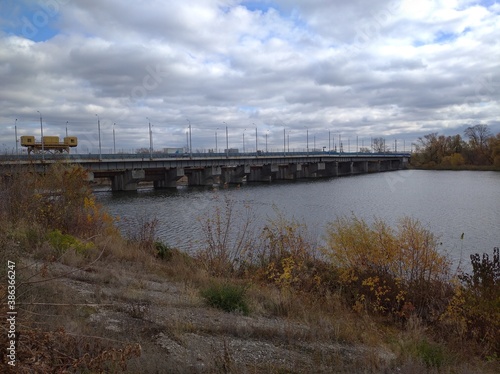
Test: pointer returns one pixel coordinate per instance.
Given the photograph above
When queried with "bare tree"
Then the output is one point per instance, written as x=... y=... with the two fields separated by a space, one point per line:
x=478 y=136
x=378 y=145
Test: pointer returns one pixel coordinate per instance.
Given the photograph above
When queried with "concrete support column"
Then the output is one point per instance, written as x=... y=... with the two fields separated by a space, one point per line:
x=170 y=179
x=204 y=177
x=234 y=175
x=332 y=169
x=128 y=180
x=262 y=173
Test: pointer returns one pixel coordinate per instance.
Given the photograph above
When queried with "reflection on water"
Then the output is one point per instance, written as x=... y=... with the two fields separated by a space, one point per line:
x=447 y=202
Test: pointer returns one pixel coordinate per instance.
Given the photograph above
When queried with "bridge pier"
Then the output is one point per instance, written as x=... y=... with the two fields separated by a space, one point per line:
x=170 y=178
x=234 y=174
x=332 y=169
x=373 y=166
x=128 y=180
x=359 y=167
x=345 y=168
x=207 y=176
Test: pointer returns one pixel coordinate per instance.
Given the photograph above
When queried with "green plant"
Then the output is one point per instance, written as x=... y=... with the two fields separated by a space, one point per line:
x=62 y=242
x=163 y=251
x=432 y=354
x=475 y=306
x=226 y=296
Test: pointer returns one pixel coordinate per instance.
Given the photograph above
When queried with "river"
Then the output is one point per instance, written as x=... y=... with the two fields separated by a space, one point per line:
x=449 y=203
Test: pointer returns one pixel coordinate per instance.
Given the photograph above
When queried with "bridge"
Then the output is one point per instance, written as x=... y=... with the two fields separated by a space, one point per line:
x=165 y=171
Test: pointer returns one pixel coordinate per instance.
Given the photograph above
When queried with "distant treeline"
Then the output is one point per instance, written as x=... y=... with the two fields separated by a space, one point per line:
x=480 y=148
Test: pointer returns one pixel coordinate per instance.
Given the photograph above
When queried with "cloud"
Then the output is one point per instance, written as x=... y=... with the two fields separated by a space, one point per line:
x=366 y=69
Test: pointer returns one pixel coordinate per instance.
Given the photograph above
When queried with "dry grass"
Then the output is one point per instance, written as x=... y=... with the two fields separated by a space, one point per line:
x=95 y=305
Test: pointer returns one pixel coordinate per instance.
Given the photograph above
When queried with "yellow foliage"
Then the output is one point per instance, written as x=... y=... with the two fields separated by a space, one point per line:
x=388 y=268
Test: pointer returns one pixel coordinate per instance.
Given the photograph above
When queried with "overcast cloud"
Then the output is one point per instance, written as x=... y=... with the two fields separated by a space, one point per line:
x=396 y=69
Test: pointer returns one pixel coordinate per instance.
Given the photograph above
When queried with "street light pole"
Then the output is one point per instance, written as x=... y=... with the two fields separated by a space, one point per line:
x=216 y=149
x=15 y=130
x=256 y=141
x=329 y=141
x=244 y=140
x=114 y=142
x=190 y=140
x=66 y=128
x=266 y=139
x=99 y=132
x=41 y=132
x=227 y=141
x=307 y=141
x=150 y=139
x=284 y=141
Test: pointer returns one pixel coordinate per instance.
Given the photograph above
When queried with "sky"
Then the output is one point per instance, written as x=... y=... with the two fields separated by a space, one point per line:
x=304 y=72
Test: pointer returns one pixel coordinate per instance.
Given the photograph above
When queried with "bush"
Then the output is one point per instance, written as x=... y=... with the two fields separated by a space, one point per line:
x=432 y=354
x=61 y=199
x=163 y=251
x=226 y=296
x=475 y=307
x=62 y=242
x=389 y=271
x=227 y=237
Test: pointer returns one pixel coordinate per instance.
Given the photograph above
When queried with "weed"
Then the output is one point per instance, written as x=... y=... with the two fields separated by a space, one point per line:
x=228 y=237
x=226 y=296
x=62 y=242
x=163 y=251
x=432 y=354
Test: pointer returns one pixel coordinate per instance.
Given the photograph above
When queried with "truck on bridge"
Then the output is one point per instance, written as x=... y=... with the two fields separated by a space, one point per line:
x=49 y=144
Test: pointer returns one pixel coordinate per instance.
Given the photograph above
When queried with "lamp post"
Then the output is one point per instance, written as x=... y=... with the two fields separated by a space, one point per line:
x=15 y=130
x=307 y=141
x=99 y=132
x=227 y=141
x=288 y=140
x=150 y=140
x=66 y=128
x=329 y=141
x=190 y=139
x=216 y=150
x=41 y=132
x=244 y=140
x=256 y=141
x=114 y=142
x=267 y=132
x=284 y=141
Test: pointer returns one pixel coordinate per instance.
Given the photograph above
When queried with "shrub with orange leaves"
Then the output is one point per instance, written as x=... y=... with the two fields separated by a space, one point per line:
x=389 y=270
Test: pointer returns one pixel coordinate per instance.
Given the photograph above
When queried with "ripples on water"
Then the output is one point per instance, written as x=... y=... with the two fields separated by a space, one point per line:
x=449 y=203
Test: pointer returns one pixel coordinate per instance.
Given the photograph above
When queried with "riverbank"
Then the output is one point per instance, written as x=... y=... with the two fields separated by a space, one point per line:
x=129 y=309
x=456 y=167
x=92 y=299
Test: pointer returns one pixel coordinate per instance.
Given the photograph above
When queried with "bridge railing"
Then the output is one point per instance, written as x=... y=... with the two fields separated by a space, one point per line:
x=162 y=156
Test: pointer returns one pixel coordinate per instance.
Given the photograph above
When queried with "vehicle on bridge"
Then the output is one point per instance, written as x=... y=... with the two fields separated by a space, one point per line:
x=49 y=144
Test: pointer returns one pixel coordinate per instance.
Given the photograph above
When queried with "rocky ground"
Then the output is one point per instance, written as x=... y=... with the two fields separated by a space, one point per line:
x=179 y=334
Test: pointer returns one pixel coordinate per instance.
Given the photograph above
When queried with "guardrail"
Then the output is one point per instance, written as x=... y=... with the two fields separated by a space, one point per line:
x=163 y=156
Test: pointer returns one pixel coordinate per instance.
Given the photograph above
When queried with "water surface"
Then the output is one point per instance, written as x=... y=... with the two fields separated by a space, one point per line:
x=449 y=203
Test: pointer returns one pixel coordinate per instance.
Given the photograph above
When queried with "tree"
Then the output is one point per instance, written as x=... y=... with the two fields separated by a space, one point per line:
x=378 y=145
x=478 y=144
x=494 y=146
x=478 y=136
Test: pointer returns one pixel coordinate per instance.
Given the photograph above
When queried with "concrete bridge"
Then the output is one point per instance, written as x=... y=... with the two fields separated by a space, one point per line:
x=127 y=171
